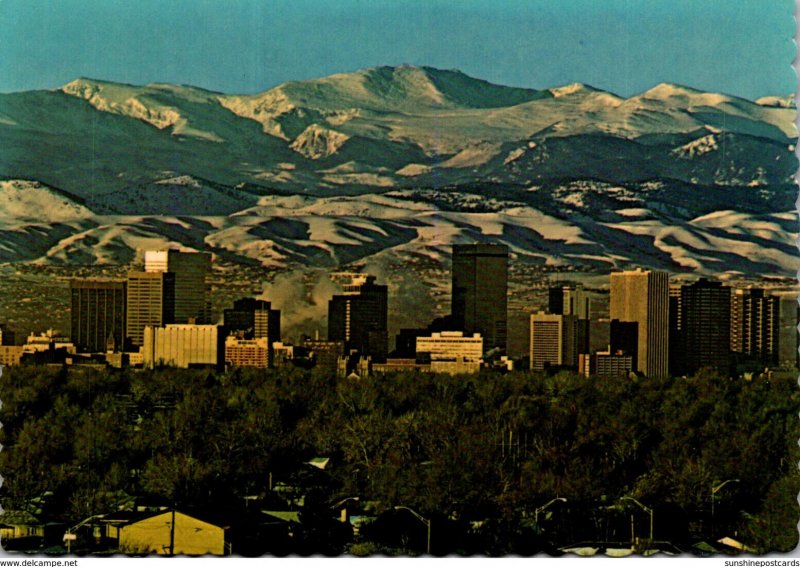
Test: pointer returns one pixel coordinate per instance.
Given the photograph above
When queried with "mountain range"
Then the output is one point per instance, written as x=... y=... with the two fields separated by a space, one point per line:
x=400 y=161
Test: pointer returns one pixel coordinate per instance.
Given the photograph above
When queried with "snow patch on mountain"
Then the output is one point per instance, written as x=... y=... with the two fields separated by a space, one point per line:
x=182 y=180
x=317 y=142
x=414 y=169
x=472 y=156
x=122 y=99
x=686 y=95
x=777 y=101
x=30 y=202
x=697 y=147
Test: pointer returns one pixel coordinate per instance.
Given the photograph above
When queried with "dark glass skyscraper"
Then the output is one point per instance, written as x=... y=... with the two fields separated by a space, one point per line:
x=706 y=325
x=255 y=318
x=359 y=316
x=98 y=314
x=191 y=270
x=151 y=301
x=480 y=292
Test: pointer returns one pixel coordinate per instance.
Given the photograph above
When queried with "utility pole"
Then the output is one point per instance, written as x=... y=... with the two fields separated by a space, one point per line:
x=422 y=519
x=714 y=490
x=172 y=534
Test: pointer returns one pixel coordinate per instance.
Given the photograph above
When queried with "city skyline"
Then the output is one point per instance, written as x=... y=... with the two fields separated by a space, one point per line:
x=651 y=327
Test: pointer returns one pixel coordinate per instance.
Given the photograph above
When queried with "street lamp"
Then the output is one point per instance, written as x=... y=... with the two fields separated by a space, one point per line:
x=544 y=507
x=348 y=499
x=425 y=521
x=342 y=503
x=646 y=509
x=714 y=490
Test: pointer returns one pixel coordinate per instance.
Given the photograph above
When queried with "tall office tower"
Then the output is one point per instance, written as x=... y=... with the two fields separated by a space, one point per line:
x=599 y=334
x=552 y=341
x=98 y=314
x=755 y=325
x=191 y=270
x=568 y=300
x=572 y=300
x=6 y=336
x=677 y=356
x=255 y=318
x=623 y=337
x=151 y=301
x=359 y=316
x=643 y=297
x=706 y=325
x=789 y=339
x=480 y=292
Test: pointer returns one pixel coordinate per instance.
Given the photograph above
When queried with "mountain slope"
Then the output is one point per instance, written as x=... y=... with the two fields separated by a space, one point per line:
x=399 y=162
x=390 y=127
x=585 y=225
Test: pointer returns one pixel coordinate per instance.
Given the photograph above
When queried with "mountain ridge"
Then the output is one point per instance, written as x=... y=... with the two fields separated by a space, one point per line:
x=397 y=161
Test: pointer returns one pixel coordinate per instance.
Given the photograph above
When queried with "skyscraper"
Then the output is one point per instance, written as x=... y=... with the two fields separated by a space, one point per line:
x=97 y=314
x=255 y=317
x=755 y=325
x=359 y=316
x=789 y=339
x=553 y=341
x=706 y=325
x=568 y=300
x=191 y=270
x=677 y=356
x=643 y=297
x=6 y=336
x=151 y=301
x=624 y=338
x=480 y=292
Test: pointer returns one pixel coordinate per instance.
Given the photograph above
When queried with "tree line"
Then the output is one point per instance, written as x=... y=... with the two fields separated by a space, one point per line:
x=484 y=452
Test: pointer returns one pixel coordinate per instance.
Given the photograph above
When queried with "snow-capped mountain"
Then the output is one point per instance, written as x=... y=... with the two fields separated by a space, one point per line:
x=399 y=160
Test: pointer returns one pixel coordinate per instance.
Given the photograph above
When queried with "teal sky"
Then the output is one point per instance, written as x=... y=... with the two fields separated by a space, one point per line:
x=739 y=47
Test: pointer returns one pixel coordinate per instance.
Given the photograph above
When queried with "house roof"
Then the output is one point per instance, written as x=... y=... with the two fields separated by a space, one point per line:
x=283 y=515
x=319 y=462
x=127 y=517
x=18 y=518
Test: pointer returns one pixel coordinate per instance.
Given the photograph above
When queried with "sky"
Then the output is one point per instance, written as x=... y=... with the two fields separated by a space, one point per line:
x=742 y=47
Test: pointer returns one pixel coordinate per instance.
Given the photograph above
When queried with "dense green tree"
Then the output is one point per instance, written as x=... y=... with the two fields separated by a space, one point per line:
x=485 y=450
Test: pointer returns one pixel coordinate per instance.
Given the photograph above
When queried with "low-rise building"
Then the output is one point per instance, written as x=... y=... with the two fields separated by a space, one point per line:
x=451 y=352
x=247 y=352
x=10 y=355
x=326 y=354
x=15 y=524
x=167 y=533
x=182 y=346
x=393 y=365
x=605 y=364
x=49 y=340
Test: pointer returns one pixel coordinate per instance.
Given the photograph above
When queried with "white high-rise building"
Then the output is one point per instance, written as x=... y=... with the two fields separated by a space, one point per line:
x=553 y=340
